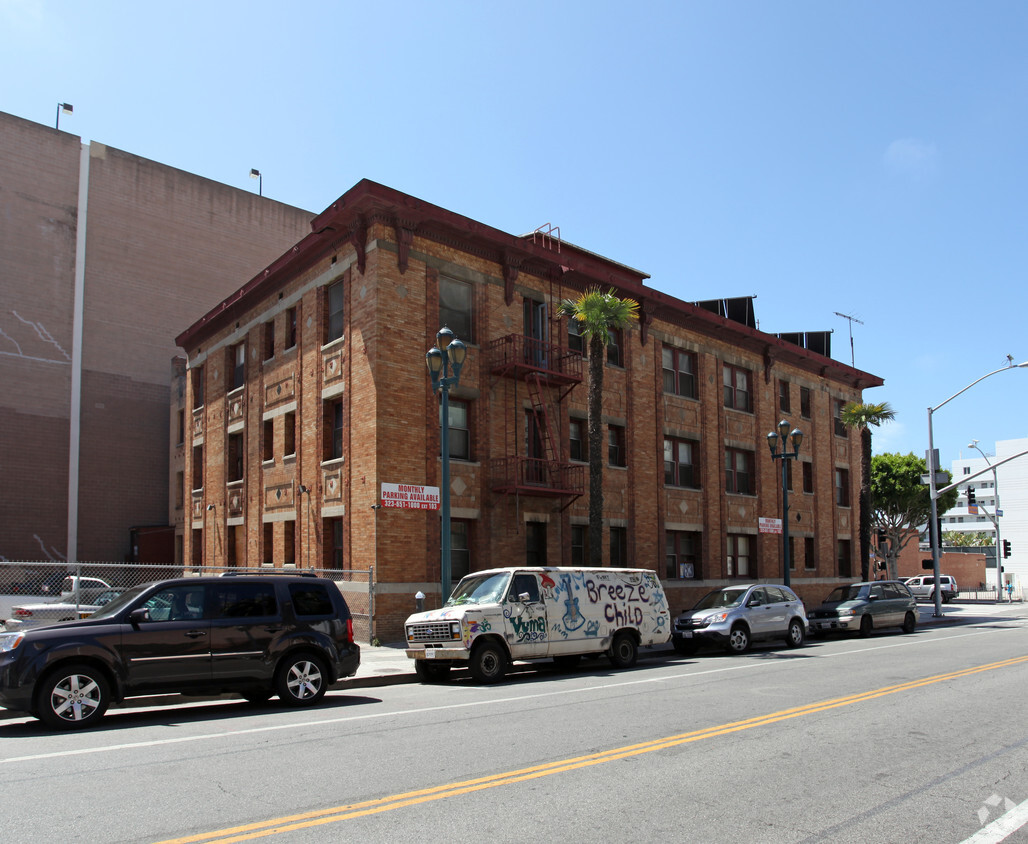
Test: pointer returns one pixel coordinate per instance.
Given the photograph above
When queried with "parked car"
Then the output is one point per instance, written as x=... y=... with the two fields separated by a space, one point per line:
x=923 y=586
x=736 y=616
x=863 y=607
x=257 y=635
x=25 y=616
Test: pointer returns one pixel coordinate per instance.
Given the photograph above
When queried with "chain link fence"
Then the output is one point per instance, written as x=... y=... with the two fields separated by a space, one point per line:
x=62 y=591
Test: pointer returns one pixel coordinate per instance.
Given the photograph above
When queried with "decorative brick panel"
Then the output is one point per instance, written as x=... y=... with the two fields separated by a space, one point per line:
x=332 y=366
x=236 y=406
x=280 y=391
x=279 y=497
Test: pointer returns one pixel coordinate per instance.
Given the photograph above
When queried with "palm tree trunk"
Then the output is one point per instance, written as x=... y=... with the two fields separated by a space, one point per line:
x=596 y=443
x=865 y=503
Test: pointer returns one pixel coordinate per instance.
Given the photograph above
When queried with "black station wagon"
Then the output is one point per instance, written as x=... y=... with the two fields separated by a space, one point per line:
x=255 y=635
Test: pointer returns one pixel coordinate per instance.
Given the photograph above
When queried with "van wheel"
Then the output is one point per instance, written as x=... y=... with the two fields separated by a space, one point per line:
x=738 y=640
x=431 y=672
x=794 y=638
x=623 y=650
x=866 y=626
x=301 y=680
x=488 y=663
x=72 y=697
x=909 y=623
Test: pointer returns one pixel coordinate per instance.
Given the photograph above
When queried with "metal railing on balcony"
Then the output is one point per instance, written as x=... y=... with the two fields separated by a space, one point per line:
x=517 y=355
x=535 y=476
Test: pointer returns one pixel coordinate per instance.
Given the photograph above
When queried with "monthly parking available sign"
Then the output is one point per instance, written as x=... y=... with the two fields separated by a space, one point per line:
x=410 y=496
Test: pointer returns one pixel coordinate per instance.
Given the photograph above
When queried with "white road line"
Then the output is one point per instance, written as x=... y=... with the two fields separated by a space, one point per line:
x=1000 y=828
x=321 y=722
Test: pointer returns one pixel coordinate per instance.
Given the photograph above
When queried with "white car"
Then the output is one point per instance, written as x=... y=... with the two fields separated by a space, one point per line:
x=27 y=616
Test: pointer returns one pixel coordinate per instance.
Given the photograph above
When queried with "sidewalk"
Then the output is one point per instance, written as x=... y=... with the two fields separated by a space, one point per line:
x=388 y=665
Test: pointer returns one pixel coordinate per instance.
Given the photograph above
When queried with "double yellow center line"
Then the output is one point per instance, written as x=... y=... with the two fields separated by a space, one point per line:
x=306 y=820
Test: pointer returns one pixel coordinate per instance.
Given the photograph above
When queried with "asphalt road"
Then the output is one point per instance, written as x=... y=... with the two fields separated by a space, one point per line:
x=892 y=738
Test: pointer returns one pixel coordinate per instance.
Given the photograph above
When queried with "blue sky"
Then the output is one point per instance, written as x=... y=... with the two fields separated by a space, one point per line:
x=866 y=158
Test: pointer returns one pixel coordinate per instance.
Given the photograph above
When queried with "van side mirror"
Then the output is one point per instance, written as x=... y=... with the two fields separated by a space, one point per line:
x=525 y=598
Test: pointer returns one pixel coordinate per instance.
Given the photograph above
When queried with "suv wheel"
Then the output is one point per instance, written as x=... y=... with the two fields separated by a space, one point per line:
x=72 y=697
x=738 y=640
x=301 y=680
x=794 y=638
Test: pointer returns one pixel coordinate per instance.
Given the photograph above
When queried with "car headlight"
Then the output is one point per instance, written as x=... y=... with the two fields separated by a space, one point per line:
x=847 y=612
x=454 y=629
x=9 y=641
x=716 y=618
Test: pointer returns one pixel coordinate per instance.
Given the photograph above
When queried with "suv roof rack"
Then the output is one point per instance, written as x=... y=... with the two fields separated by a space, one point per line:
x=269 y=572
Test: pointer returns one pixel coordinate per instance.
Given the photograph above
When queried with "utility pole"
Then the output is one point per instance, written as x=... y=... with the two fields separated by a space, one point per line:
x=852 y=320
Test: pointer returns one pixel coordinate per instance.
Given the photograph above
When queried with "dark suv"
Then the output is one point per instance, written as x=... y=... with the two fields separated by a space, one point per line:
x=255 y=635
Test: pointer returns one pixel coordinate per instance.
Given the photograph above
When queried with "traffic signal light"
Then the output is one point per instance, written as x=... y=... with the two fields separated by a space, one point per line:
x=971 y=500
x=1006 y=548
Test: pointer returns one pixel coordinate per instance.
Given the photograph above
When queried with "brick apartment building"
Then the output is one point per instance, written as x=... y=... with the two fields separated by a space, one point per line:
x=307 y=390
x=103 y=254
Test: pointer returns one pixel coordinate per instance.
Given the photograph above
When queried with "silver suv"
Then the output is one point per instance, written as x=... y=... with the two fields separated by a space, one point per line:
x=736 y=616
x=923 y=586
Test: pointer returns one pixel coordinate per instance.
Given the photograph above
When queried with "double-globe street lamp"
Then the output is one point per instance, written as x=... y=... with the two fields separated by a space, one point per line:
x=932 y=479
x=778 y=442
x=447 y=355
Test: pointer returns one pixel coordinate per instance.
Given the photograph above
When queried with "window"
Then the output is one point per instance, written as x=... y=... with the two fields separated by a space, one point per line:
x=311 y=599
x=238 y=355
x=460 y=435
x=579 y=545
x=792 y=553
x=290 y=328
x=333 y=533
x=196 y=547
x=788 y=475
x=808 y=476
x=535 y=544
x=784 y=401
x=842 y=487
x=809 y=558
x=618 y=547
x=269 y=339
x=455 y=308
x=460 y=549
x=679 y=372
x=180 y=490
x=197 y=385
x=739 y=471
x=575 y=433
x=269 y=544
x=236 y=455
x=737 y=388
x=196 y=469
x=840 y=429
x=616 y=446
x=181 y=428
x=289 y=543
x=524 y=584
x=682 y=554
x=289 y=434
x=740 y=560
x=234 y=540
x=334 y=312
x=333 y=444
x=681 y=463
x=843 y=558
x=268 y=437
x=245 y=600
x=805 y=402
x=615 y=347
x=576 y=341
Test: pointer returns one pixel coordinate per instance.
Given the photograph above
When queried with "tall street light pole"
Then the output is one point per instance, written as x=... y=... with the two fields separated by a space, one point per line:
x=994 y=516
x=933 y=471
x=778 y=442
x=448 y=353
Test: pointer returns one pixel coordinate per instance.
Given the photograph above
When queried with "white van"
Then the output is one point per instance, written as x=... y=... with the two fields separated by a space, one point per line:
x=494 y=617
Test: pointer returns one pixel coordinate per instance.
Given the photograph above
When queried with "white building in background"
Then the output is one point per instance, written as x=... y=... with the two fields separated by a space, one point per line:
x=1010 y=489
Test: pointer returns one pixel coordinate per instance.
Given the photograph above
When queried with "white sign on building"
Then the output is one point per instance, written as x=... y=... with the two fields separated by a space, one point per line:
x=769 y=525
x=410 y=496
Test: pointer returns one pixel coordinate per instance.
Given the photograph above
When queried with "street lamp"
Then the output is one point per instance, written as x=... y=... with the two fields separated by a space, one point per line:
x=933 y=490
x=449 y=352
x=67 y=108
x=994 y=517
x=778 y=442
x=256 y=174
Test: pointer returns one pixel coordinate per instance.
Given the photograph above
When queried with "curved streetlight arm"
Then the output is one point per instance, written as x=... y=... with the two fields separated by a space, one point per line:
x=969 y=386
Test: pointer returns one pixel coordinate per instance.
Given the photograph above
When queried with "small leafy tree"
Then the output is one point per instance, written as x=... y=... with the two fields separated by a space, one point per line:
x=902 y=504
x=967 y=538
x=863 y=417
x=598 y=313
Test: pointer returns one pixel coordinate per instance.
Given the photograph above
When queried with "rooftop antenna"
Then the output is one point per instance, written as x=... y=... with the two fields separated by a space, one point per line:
x=852 y=320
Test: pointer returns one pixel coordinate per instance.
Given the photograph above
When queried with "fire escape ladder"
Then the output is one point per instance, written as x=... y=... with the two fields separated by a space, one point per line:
x=551 y=444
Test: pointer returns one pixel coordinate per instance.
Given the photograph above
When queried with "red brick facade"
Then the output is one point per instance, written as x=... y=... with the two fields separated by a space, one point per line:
x=256 y=445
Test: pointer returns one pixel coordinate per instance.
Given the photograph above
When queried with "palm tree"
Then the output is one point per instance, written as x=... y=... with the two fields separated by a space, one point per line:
x=862 y=417
x=598 y=314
